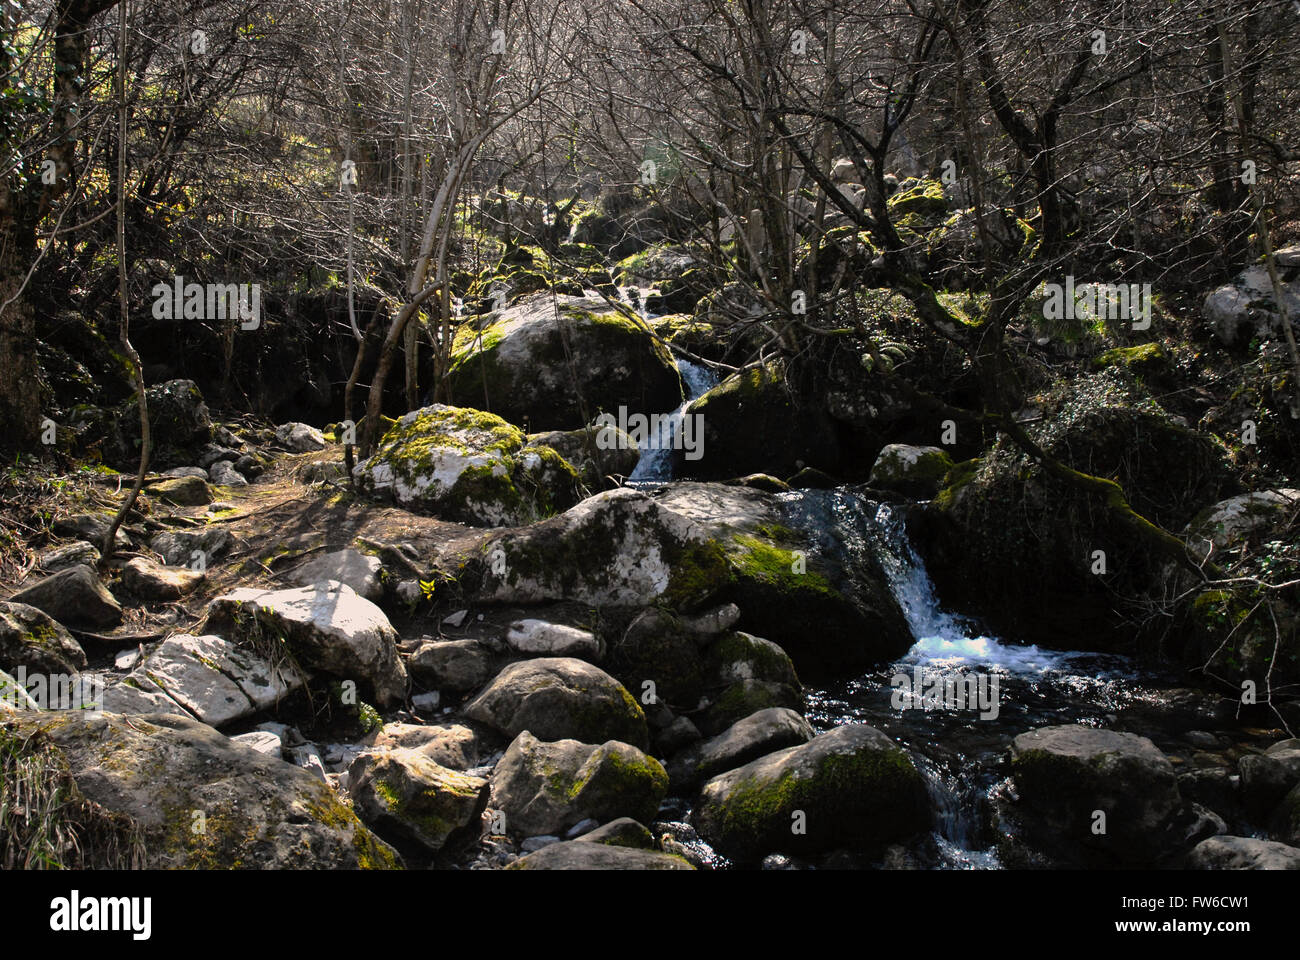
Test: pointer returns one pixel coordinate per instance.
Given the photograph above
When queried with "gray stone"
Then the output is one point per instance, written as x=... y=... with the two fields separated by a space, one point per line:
x=407 y=791
x=358 y=570
x=1243 y=853
x=73 y=596
x=758 y=734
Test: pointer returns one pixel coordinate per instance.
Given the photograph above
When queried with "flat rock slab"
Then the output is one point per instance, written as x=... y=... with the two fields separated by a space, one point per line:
x=213 y=679
x=329 y=628
x=258 y=811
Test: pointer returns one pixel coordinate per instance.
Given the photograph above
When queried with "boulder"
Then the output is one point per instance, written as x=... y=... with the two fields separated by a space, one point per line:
x=407 y=792
x=203 y=801
x=1243 y=853
x=744 y=697
x=558 y=698
x=195 y=549
x=154 y=581
x=852 y=785
x=449 y=745
x=31 y=638
x=1267 y=777
x=92 y=527
x=1247 y=308
x=224 y=474
x=914 y=471
x=179 y=424
x=759 y=734
x=327 y=626
x=74 y=596
x=77 y=553
x=754 y=422
x=596 y=452
x=458 y=666
x=623 y=832
x=1230 y=523
x=546 y=788
x=299 y=437
x=358 y=570
x=552 y=362
x=186 y=491
x=1049 y=531
x=1064 y=774
x=214 y=680
x=468 y=466
x=578 y=855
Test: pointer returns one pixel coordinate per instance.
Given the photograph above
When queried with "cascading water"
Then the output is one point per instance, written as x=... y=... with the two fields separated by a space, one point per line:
x=656 y=462
x=957 y=750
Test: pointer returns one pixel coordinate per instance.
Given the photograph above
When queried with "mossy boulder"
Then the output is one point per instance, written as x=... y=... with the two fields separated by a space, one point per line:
x=553 y=363
x=657 y=649
x=618 y=548
x=468 y=466
x=672 y=273
x=31 y=638
x=915 y=471
x=417 y=798
x=852 y=786
x=755 y=423
x=559 y=698
x=741 y=698
x=601 y=454
x=1049 y=533
x=924 y=198
x=198 y=800
x=789 y=570
x=1064 y=774
x=546 y=788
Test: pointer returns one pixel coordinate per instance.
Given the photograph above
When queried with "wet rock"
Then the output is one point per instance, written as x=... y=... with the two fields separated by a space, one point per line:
x=407 y=792
x=546 y=788
x=458 y=666
x=559 y=698
x=358 y=570
x=759 y=734
x=539 y=638
x=33 y=639
x=259 y=812
x=76 y=596
x=1064 y=774
x=468 y=466
x=1266 y=778
x=1243 y=853
x=153 y=581
x=852 y=785
x=327 y=626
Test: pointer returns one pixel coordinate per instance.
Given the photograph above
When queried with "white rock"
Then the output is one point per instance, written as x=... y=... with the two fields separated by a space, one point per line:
x=358 y=570
x=300 y=437
x=426 y=701
x=262 y=742
x=552 y=640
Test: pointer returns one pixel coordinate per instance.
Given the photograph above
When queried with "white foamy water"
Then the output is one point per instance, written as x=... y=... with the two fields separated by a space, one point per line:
x=656 y=462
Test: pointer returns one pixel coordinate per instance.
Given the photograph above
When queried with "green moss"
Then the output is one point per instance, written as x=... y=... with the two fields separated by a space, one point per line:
x=959 y=476
x=1142 y=357
x=761 y=560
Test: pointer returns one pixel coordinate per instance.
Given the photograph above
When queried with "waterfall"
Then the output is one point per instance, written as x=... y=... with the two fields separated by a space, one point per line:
x=656 y=462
